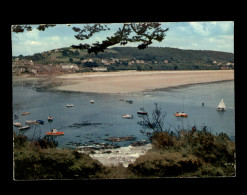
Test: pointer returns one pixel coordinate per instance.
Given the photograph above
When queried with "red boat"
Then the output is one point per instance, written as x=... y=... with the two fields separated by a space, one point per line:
x=142 y=111
x=57 y=133
x=180 y=114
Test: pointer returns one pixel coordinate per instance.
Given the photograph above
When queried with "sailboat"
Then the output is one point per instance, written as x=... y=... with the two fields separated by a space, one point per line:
x=142 y=110
x=221 y=106
x=181 y=114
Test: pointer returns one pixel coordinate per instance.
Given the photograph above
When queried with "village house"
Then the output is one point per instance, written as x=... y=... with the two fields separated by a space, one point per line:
x=87 y=60
x=115 y=60
x=131 y=62
x=18 y=62
x=229 y=64
x=105 y=62
x=69 y=67
x=140 y=61
x=109 y=62
x=165 y=61
x=99 y=69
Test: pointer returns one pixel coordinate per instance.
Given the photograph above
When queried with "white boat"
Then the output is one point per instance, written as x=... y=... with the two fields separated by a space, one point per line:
x=17 y=124
x=23 y=128
x=25 y=113
x=70 y=105
x=127 y=116
x=50 y=118
x=221 y=106
x=91 y=101
x=30 y=121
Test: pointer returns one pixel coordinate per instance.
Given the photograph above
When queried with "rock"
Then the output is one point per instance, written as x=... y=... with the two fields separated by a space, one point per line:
x=120 y=139
x=139 y=143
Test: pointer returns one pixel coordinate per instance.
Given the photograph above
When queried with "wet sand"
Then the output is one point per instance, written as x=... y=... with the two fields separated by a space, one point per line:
x=135 y=81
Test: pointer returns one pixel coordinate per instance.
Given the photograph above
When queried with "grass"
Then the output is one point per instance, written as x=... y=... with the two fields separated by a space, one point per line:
x=191 y=153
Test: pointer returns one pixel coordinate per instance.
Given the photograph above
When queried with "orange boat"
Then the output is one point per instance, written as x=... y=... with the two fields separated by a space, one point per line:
x=57 y=133
x=180 y=114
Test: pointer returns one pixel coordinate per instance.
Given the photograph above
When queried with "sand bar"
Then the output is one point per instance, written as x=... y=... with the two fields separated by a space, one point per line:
x=135 y=81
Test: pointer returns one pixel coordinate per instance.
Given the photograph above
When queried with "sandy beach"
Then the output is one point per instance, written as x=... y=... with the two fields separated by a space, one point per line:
x=135 y=81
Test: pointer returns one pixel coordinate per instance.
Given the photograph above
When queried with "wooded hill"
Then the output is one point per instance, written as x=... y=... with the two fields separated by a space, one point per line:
x=131 y=58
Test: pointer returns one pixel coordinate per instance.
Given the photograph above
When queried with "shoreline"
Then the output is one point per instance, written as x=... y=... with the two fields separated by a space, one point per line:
x=128 y=81
x=133 y=81
x=124 y=155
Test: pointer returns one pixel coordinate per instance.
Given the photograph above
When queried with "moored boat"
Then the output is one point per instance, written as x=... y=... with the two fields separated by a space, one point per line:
x=181 y=114
x=30 y=121
x=221 y=106
x=69 y=105
x=56 y=133
x=142 y=111
x=40 y=122
x=127 y=116
x=17 y=124
x=50 y=118
x=23 y=128
x=25 y=113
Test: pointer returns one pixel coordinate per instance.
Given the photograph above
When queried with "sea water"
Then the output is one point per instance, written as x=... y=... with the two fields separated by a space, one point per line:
x=86 y=122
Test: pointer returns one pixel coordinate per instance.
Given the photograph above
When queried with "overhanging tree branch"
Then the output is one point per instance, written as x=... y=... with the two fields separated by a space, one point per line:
x=144 y=32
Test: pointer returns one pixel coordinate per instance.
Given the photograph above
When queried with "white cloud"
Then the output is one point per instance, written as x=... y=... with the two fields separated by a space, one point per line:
x=54 y=38
x=200 y=28
x=34 y=34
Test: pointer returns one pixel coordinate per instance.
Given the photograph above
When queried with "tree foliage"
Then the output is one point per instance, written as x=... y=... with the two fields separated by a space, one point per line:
x=153 y=124
x=144 y=33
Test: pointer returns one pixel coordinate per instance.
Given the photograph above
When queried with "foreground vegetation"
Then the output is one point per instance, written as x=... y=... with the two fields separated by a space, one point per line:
x=191 y=153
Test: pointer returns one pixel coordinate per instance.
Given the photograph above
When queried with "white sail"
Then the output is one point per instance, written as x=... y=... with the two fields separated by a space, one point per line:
x=221 y=105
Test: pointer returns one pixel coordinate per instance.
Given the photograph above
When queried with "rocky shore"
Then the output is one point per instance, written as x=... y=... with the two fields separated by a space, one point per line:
x=116 y=156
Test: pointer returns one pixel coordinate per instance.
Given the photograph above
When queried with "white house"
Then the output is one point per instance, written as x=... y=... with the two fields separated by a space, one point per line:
x=99 y=69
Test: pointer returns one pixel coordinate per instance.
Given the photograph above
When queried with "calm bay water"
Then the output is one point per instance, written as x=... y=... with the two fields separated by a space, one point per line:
x=103 y=119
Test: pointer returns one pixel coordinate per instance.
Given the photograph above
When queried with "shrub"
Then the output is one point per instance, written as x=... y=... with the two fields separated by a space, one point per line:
x=163 y=140
x=164 y=164
x=19 y=140
x=41 y=160
x=209 y=171
x=46 y=142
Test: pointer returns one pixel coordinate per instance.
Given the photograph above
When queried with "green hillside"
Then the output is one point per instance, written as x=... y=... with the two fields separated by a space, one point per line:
x=131 y=58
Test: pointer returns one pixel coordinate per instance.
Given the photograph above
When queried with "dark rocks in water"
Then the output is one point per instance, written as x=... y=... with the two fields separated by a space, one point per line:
x=129 y=101
x=74 y=143
x=120 y=139
x=107 y=152
x=96 y=146
x=78 y=125
x=139 y=143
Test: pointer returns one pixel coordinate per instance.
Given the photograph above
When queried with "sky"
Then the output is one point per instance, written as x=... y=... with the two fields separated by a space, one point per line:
x=212 y=35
